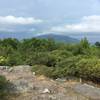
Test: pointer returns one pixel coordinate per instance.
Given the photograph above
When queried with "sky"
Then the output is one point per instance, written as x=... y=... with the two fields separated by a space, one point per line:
x=45 y=16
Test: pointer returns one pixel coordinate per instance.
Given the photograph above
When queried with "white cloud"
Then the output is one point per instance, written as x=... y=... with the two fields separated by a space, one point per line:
x=12 y=20
x=87 y=24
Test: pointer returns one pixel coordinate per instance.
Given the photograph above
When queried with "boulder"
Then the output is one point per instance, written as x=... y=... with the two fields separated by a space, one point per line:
x=46 y=90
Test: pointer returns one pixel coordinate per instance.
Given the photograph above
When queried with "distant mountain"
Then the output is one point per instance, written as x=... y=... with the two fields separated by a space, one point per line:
x=17 y=35
x=71 y=37
x=59 y=38
x=23 y=35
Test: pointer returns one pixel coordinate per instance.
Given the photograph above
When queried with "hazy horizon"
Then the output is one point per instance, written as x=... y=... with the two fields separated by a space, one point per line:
x=34 y=17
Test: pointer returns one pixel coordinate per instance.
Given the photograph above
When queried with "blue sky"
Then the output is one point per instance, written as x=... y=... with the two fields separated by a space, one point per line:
x=43 y=16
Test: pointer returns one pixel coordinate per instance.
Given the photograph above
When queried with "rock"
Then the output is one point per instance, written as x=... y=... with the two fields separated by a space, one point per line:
x=20 y=86
x=10 y=69
x=3 y=67
x=87 y=90
x=6 y=68
x=80 y=80
x=22 y=68
x=88 y=85
x=61 y=80
x=46 y=90
x=51 y=97
x=33 y=73
x=28 y=87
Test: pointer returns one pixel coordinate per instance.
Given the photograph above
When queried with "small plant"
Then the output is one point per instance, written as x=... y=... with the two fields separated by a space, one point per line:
x=3 y=86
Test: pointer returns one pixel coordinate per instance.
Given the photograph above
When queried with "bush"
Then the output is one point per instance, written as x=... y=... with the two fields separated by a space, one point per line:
x=3 y=60
x=53 y=59
x=89 y=69
x=68 y=65
x=64 y=68
x=3 y=86
x=41 y=58
x=42 y=70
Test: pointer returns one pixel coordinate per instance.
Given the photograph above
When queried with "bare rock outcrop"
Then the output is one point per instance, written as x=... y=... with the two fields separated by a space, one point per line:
x=33 y=87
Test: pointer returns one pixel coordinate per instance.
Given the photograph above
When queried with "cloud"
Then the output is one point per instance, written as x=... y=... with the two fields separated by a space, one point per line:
x=19 y=24
x=87 y=24
x=12 y=20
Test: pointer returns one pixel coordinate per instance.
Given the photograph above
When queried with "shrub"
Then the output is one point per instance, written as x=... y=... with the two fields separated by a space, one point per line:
x=3 y=86
x=89 y=69
x=41 y=58
x=42 y=70
x=3 y=60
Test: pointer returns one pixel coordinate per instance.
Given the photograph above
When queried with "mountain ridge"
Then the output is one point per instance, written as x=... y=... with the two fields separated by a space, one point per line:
x=59 y=38
x=56 y=37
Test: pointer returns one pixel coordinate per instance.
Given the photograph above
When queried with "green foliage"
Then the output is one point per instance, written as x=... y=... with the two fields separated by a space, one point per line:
x=97 y=44
x=53 y=59
x=89 y=69
x=43 y=70
x=84 y=43
x=3 y=86
x=3 y=60
x=69 y=65
x=83 y=48
x=3 y=83
x=43 y=58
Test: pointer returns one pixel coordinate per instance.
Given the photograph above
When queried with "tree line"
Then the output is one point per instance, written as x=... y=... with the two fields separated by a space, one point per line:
x=53 y=59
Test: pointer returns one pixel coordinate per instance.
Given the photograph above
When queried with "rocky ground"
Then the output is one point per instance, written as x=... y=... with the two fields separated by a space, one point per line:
x=25 y=85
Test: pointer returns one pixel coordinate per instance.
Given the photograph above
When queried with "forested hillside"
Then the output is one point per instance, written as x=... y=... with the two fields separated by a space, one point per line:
x=81 y=60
